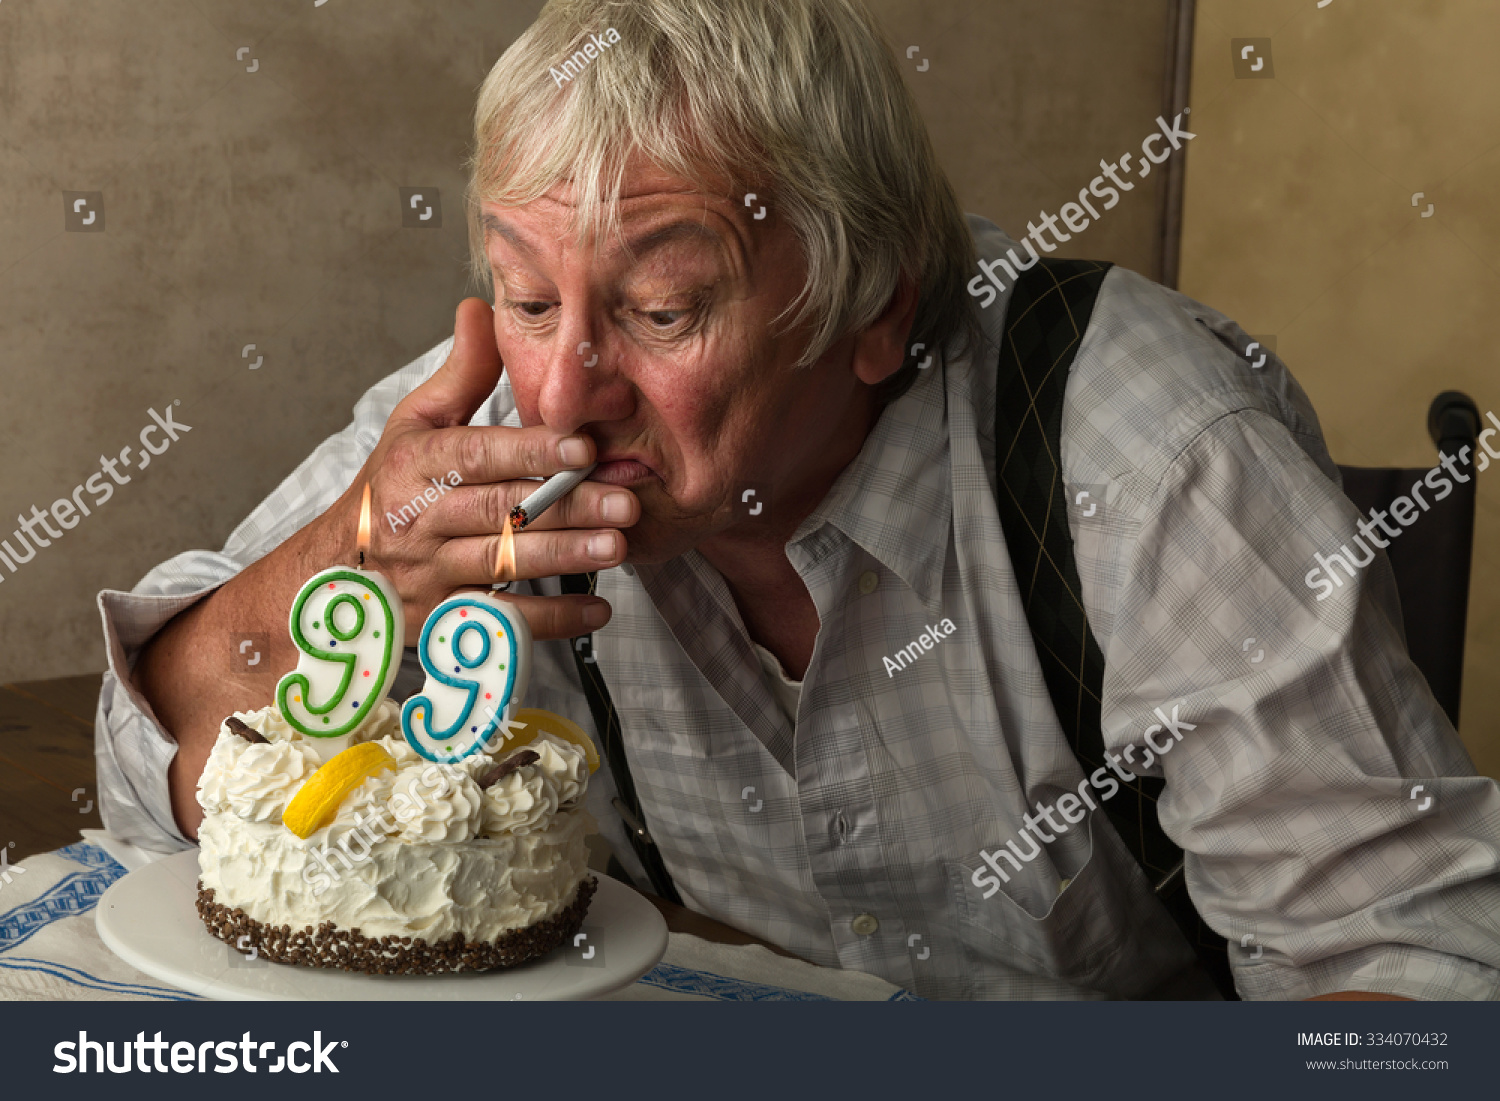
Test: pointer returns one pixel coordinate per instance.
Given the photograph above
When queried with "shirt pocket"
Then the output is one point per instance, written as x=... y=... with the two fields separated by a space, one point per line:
x=1043 y=921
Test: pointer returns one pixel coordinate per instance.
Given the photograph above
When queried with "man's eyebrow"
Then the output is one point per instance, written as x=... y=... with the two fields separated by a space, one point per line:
x=672 y=231
x=494 y=226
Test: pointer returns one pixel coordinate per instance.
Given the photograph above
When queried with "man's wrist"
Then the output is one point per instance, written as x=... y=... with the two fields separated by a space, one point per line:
x=194 y=672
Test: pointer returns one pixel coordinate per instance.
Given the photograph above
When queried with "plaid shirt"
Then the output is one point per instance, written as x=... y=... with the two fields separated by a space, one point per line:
x=853 y=837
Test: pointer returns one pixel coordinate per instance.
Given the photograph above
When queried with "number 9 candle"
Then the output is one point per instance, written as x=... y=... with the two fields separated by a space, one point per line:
x=476 y=650
x=350 y=627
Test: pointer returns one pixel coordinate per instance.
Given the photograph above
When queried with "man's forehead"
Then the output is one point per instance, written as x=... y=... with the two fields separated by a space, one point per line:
x=687 y=225
x=644 y=187
x=654 y=209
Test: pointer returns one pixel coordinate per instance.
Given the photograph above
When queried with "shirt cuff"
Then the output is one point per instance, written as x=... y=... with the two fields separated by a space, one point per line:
x=1403 y=970
x=132 y=752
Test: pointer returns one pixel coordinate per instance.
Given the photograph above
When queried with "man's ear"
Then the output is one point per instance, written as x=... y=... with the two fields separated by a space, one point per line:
x=880 y=350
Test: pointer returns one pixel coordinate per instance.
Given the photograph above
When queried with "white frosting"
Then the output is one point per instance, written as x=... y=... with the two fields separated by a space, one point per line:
x=436 y=803
x=254 y=782
x=525 y=800
x=383 y=725
x=564 y=763
x=418 y=850
x=482 y=888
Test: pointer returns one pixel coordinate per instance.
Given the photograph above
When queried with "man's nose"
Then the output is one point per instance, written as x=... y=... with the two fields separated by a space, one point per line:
x=579 y=379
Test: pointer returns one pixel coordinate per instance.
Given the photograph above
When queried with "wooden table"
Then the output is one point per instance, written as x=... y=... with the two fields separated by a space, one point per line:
x=47 y=787
x=48 y=791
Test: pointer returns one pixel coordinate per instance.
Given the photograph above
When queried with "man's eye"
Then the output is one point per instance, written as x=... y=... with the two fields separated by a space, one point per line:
x=665 y=319
x=528 y=309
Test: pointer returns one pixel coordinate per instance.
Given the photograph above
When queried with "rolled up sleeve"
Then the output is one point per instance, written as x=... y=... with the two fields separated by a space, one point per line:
x=132 y=750
x=1304 y=729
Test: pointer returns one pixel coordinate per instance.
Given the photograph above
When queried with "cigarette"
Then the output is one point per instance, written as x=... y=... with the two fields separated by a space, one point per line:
x=551 y=491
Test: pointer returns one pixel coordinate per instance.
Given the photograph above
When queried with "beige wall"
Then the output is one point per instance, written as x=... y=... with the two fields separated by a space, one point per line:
x=262 y=207
x=1298 y=221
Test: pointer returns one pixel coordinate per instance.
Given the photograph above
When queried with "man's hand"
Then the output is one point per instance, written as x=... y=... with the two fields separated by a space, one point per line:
x=452 y=542
x=186 y=672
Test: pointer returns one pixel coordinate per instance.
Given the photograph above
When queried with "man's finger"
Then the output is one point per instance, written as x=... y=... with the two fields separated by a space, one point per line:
x=483 y=510
x=551 y=617
x=466 y=379
x=472 y=560
x=489 y=454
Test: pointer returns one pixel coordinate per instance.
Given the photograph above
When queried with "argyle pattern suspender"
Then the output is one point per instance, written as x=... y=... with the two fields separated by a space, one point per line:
x=1049 y=311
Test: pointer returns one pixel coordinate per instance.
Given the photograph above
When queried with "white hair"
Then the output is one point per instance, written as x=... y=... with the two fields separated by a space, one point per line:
x=799 y=101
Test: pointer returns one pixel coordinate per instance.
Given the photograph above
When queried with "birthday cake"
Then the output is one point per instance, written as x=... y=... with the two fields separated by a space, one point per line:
x=403 y=843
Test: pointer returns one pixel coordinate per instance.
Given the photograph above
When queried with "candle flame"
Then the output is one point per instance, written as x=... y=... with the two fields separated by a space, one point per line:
x=505 y=556
x=363 y=542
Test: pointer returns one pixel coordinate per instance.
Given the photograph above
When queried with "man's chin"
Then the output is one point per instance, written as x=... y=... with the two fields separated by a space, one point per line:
x=650 y=544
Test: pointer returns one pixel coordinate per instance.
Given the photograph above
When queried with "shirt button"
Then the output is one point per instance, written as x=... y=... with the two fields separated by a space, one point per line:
x=868 y=582
x=865 y=925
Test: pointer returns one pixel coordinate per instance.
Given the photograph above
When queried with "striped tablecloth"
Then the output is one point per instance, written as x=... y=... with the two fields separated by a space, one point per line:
x=49 y=949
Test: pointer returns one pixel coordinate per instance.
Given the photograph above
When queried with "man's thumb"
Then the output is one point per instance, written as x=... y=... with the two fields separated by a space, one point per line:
x=467 y=377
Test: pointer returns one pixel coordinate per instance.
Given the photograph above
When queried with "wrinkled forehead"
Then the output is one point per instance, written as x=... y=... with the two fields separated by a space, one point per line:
x=627 y=188
x=653 y=212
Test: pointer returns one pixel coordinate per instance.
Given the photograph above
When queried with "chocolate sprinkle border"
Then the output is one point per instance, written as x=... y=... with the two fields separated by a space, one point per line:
x=329 y=946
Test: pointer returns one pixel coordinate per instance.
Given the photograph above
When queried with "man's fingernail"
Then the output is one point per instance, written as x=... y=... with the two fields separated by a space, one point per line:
x=615 y=507
x=602 y=547
x=595 y=616
x=573 y=451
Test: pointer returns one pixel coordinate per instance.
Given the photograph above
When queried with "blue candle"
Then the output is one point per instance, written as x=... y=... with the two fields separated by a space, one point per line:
x=476 y=650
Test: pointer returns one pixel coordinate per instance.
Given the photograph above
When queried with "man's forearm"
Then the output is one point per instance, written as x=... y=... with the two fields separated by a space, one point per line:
x=192 y=674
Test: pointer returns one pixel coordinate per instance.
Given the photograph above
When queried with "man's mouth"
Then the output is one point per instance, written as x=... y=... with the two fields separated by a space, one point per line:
x=621 y=472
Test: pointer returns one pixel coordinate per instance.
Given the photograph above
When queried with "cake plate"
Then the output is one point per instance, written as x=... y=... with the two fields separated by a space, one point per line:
x=149 y=920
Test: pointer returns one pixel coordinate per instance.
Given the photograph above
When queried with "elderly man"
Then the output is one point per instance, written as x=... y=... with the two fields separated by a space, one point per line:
x=713 y=243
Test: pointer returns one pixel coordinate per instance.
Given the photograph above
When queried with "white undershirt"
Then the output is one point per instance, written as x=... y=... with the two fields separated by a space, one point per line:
x=785 y=690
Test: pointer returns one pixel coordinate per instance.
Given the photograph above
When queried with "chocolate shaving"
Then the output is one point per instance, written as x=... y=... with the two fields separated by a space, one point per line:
x=249 y=733
x=509 y=765
x=329 y=946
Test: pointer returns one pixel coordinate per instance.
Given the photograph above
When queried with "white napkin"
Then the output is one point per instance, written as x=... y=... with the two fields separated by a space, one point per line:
x=66 y=958
x=699 y=970
x=130 y=856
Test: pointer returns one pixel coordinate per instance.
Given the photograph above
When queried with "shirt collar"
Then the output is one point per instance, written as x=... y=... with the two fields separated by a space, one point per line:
x=894 y=499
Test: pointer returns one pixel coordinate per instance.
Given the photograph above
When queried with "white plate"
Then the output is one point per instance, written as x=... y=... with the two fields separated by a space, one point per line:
x=149 y=919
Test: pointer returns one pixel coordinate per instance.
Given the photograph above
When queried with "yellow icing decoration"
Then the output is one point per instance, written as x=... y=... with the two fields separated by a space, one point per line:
x=538 y=721
x=316 y=804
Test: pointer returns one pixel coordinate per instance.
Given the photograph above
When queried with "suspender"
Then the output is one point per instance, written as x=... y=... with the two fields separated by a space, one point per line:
x=607 y=723
x=1048 y=313
x=1049 y=310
